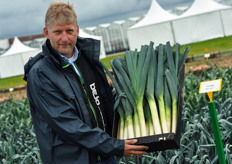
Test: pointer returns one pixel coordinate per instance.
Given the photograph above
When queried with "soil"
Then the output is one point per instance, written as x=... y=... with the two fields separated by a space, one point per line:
x=225 y=61
x=18 y=93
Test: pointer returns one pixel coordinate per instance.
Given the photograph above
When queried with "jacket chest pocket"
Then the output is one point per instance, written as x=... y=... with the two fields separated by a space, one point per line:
x=68 y=93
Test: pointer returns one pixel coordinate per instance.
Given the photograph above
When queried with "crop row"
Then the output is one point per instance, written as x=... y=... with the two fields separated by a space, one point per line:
x=18 y=143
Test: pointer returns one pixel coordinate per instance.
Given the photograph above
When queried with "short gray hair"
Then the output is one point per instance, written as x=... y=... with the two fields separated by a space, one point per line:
x=60 y=13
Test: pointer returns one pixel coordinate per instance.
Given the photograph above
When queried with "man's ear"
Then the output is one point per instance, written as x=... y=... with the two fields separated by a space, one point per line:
x=45 y=31
x=77 y=30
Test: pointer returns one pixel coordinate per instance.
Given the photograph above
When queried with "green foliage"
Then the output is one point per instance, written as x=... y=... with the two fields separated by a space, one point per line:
x=18 y=143
x=197 y=139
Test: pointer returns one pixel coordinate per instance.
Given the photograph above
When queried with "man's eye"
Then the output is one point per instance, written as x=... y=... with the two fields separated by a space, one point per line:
x=57 y=32
x=69 y=31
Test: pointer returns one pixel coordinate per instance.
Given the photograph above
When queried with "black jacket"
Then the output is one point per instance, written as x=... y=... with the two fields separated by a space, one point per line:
x=60 y=116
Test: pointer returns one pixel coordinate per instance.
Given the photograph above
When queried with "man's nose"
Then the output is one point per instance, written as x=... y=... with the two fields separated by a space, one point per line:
x=64 y=36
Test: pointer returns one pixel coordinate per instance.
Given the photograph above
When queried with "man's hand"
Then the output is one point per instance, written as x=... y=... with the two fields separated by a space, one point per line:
x=131 y=150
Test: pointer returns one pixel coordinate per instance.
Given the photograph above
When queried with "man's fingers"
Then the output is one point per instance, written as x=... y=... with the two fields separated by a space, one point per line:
x=138 y=147
x=134 y=150
x=131 y=142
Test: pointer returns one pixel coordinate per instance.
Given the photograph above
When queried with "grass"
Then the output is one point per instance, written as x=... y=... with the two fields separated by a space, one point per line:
x=11 y=82
x=224 y=45
x=107 y=60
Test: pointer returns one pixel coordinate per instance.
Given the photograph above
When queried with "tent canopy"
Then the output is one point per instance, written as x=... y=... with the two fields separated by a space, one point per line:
x=203 y=6
x=204 y=20
x=155 y=14
x=155 y=26
x=12 y=62
x=17 y=47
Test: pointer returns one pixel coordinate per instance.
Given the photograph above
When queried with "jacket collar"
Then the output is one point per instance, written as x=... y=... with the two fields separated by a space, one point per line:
x=49 y=51
x=90 y=48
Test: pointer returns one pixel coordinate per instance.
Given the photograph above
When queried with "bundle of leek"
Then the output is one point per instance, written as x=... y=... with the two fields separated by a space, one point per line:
x=146 y=85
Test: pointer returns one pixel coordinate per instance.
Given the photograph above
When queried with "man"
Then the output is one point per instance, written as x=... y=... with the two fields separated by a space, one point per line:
x=70 y=99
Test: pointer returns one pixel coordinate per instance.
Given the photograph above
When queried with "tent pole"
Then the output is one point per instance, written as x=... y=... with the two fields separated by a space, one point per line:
x=173 y=33
x=222 y=23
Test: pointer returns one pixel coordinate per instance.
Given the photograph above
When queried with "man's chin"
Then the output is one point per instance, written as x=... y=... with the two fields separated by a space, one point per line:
x=65 y=53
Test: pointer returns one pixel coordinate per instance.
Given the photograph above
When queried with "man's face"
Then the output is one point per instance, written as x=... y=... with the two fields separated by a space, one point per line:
x=62 y=37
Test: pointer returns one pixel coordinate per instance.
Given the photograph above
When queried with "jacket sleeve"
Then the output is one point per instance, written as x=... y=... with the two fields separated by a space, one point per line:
x=61 y=116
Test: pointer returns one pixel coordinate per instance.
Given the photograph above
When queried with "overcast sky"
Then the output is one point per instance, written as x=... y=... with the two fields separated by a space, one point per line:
x=26 y=17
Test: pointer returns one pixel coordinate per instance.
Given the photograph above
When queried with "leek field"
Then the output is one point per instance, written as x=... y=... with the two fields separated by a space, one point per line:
x=18 y=143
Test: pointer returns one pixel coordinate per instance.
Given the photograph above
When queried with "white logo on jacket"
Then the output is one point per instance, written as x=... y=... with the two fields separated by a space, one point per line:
x=94 y=92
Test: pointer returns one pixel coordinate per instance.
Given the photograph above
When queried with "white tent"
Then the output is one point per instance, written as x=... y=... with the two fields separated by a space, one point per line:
x=202 y=21
x=202 y=7
x=12 y=61
x=226 y=15
x=17 y=47
x=102 y=49
x=155 y=26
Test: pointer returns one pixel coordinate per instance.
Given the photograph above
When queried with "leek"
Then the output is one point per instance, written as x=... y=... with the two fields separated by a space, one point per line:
x=148 y=117
x=129 y=92
x=138 y=66
x=159 y=90
x=174 y=95
x=167 y=104
x=150 y=88
x=121 y=124
x=172 y=68
x=147 y=85
x=128 y=111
